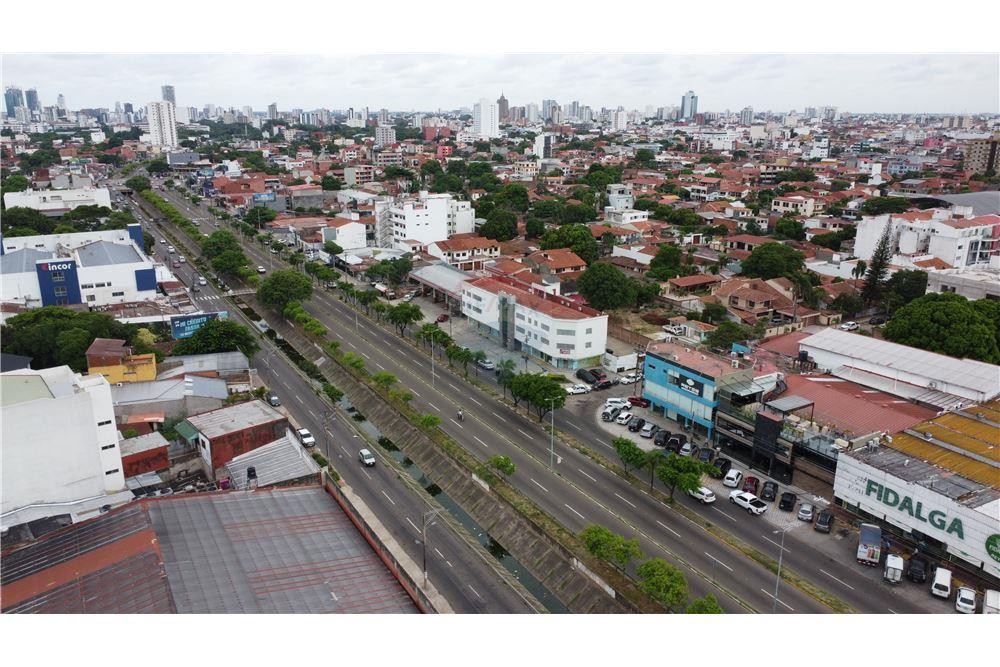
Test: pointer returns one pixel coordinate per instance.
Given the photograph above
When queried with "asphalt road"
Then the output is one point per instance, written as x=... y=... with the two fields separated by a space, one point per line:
x=471 y=581
x=580 y=492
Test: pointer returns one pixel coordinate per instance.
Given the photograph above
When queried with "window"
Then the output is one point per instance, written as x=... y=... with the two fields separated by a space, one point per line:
x=91 y=297
x=587 y=345
x=545 y=341
x=104 y=423
x=107 y=447
x=57 y=276
x=111 y=472
x=59 y=291
x=590 y=330
x=87 y=286
x=118 y=294
x=566 y=332
x=519 y=316
x=545 y=327
x=519 y=329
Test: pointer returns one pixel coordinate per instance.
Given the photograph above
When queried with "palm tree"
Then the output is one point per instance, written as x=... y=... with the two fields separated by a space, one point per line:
x=859 y=269
x=479 y=356
x=653 y=459
x=505 y=371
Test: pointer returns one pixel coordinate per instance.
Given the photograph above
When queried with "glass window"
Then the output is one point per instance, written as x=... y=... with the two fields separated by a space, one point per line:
x=57 y=276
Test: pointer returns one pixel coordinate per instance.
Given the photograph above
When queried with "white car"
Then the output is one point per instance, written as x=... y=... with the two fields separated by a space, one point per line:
x=849 y=326
x=202 y=281
x=486 y=364
x=306 y=437
x=732 y=478
x=578 y=389
x=965 y=601
x=704 y=494
x=181 y=259
x=748 y=501
x=623 y=418
x=628 y=378
x=615 y=403
x=261 y=269
x=366 y=457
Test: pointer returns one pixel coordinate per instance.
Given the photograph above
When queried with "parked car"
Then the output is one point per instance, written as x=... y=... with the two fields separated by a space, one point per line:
x=942 y=583
x=639 y=401
x=628 y=378
x=486 y=364
x=195 y=288
x=615 y=403
x=306 y=437
x=732 y=479
x=367 y=458
x=916 y=571
x=824 y=522
x=687 y=449
x=748 y=501
x=965 y=600
x=636 y=424
x=176 y=264
x=163 y=241
x=705 y=454
x=661 y=437
x=877 y=320
x=723 y=465
x=787 y=502
x=171 y=249
x=202 y=281
x=586 y=376
x=849 y=326
x=769 y=491
x=180 y=258
x=443 y=317
x=603 y=384
x=272 y=399
x=261 y=269
x=806 y=511
x=609 y=414
x=623 y=418
x=703 y=494
x=599 y=373
x=578 y=389
x=649 y=430
x=750 y=485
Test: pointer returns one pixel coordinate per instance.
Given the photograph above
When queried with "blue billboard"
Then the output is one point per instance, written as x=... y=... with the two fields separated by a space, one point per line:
x=264 y=197
x=184 y=326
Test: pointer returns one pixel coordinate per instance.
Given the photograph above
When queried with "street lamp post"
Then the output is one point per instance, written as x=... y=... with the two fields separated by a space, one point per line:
x=781 y=554
x=432 y=360
x=423 y=538
x=552 y=433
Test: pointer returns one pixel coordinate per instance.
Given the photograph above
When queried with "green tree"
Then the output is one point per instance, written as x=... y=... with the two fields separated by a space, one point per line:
x=878 y=267
x=605 y=287
x=789 y=228
x=218 y=335
x=705 y=605
x=138 y=183
x=946 y=323
x=727 y=333
x=20 y=217
x=506 y=371
x=645 y=157
x=71 y=348
x=541 y=392
x=772 y=260
x=35 y=334
x=502 y=464
x=403 y=315
x=848 y=304
x=666 y=264
x=906 y=285
x=577 y=238
x=500 y=225
x=331 y=248
x=882 y=205
x=608 y=546
x=715 y=313
x=219 y=242
x=384 y=379
x=534 y=228
x=630 y=453
x=231 y=262
x=259 y=216
x=680 y=472
x=329 y=182
x=283 y=287
x=428 y=421
x=393 y=271
x=158 y=166
x=513 y=196
x=652 y=460
x=577 y=214
x=664 y=583
x=860 y=267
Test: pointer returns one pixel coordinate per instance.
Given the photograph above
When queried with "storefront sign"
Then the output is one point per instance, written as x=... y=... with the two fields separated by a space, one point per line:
x=904 y=503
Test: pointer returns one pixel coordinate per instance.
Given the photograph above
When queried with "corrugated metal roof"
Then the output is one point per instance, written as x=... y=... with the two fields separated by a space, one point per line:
x=105 y=253
x=278 y=461
x=22 y=261
x=789 y=403
x=234 y=418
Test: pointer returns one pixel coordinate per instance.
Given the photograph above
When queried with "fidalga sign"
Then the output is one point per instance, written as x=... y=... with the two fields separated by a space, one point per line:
x=904 y=503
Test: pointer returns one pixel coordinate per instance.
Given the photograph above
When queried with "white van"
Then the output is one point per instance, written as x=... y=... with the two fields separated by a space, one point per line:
x=991 y=602
x=942 y=583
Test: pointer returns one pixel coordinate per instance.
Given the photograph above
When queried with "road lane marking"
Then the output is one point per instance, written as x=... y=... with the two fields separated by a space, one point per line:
x=370 y=477
x=668 y=528
x=836 y=579
x=575 y=512
x=481 y=442
x=345 y=450
x=435 y=407
x=780 y=601
x=456 y=424
x=299 y=399
x=380 y=365
x=475 y=401
x=523 y=433
x=718 y=561
x=891 y=611
x=496 y=415
x=388 y=498
x=475 y=591
x=413 y=524
x=414 y=393
x=731 y=518
x=350 y=343
x=539 y=485
x=628 y=501
x=777 y=545
x=572 y=425
x=454 y=387
x=586 y=475
x=439 y=552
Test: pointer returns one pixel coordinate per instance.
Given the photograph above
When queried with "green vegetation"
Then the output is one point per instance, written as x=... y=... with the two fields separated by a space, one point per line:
x=541 y=392
x=577 y=238
x=772 y=260
x=880 y=205
x=283 y=287
x=610 y=547
x=949 y=324
x=219 y=335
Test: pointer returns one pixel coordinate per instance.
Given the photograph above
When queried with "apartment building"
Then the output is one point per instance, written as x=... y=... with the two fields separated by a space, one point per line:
x=793 y=205
x=425 y=218
x=468 y=253
x=981 y=154
x=556 y=330
x=54 y=203
x=955 y=237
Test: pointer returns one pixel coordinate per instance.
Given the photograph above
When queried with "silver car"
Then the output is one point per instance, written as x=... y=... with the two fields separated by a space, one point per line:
x=806 y=512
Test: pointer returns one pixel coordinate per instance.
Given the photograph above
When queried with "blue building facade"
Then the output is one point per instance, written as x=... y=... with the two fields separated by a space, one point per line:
x=680 y=393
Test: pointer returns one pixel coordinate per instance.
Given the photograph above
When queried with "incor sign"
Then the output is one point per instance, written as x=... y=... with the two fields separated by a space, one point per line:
x=904 y=503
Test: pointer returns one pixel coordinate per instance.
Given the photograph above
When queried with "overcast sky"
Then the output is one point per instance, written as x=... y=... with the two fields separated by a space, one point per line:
x=860 y=83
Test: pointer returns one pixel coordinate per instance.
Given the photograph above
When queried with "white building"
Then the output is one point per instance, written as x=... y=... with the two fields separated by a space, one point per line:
x=544 y=143
x=620 y=197
x=954 y=236
x=619 y=120
x=57 y=202
x=486 y=119
x=162 y=118
x=428 y=218
x=70 y=465
x=385 y=135
x=561 y=332
x=689 y=105
x=347 y=230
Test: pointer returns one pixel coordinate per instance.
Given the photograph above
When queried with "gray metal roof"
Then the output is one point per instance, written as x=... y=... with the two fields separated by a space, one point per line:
x=982 y=203
x=274 y=551
x=976 y=375
x=234 y=418
x=104 y=253
x=279 y=461
x=442 y=276
x=142 y=443
x=789 y=403
x=22 y=261
x=221 y=361
x=168 y=390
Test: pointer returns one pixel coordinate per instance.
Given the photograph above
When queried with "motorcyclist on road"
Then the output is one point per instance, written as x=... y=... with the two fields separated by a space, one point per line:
x=460 y=415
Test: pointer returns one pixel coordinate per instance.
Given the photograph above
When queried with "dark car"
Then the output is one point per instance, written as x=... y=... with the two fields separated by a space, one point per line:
x=661 y=437
x=636 y=423
x=750 y=485
x=639 y=401
x=598 y=373
x=722 y=464
x=917 y=570
x=586 y=376
x=442 y=318
x=878 y=319
x=676 y=441
x=787 y=502
x=769 y=491
x=824 y=522
x=603 y=384
x=705 y=454
x=272 y=399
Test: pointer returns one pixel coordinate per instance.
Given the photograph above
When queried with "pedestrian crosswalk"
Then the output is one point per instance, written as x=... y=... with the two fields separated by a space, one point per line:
x=209 y=297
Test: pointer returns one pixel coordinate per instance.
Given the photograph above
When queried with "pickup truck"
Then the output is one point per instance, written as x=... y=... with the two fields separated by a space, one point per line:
x=870 y=545
x=748 y=501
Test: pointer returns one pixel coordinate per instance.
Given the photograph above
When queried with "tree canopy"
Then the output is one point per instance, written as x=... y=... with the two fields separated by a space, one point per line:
x=500 y=225
x=53 y=336
x=666 y=264
x=393 y=271
x=575 y=237
x=772 y=260
x=664 y=583
x=949 y=324
x=789 y=228
x=219 y=335
x=541 y=392
x=880 y=205
x=608 y=546
x=282 y=287
x=605 y=287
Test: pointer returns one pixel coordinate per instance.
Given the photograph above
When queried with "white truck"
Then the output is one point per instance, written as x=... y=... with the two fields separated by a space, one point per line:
x=870 y=545
x=748 y=501
x=893 y=572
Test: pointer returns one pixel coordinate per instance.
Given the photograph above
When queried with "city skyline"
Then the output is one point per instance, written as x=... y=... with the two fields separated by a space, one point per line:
x=949 y=83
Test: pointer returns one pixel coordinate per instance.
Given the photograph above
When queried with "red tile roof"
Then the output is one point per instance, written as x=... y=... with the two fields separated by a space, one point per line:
x=553 y=306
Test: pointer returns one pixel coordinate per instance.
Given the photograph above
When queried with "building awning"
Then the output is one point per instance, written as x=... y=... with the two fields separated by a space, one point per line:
x=186 y=431
x=787 y=404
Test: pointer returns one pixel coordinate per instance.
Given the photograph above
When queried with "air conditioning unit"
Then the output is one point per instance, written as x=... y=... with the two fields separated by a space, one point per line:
x=736 y=363
x=928 y=435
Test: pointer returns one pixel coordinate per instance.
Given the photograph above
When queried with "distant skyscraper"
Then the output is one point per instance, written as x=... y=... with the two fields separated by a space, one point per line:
x=619 y=120
x=547 y=109
x=162 y=119
x=689 y=105
x=544 y=144
x=385 y=135
x=272 y=110
x=13 y=98
x=128 y=108
x=383 y=116
x=32 y=97
x=168 y=94
x=531 y=112
x=61 y=101
x=504 y=107
x=486 y=119
x=746 y=116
